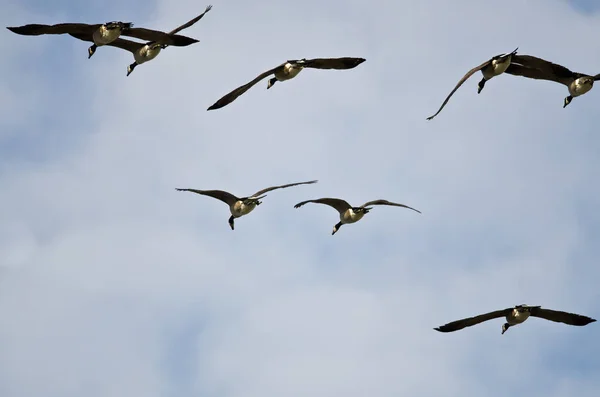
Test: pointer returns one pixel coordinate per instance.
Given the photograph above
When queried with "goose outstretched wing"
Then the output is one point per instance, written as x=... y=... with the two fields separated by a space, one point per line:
x=561 y=317
x=225 y=197
x=36 y=29
x=331 y=63
x=233 y=95
x=339 y=204
x=282 y=187
x=159 y=37
x=385 y=202
x=190 y=22
x=460 y=82
x=540 y=69
x=470 y=321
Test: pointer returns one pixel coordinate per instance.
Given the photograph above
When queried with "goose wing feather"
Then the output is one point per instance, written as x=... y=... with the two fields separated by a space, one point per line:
x=190 y=22
x=35 y=29
x=159 y=37
x=233 y=95
x=339 y=204
x=538 y=68
x=561 y=317
x=460 y=82
x=282 y=187
x=385 y=202
x=470 y=321
x=225 y=197
x=331 y=63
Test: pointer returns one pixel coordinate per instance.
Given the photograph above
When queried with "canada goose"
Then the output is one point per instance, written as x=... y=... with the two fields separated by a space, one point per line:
x=540 y=69
x=144 y=52
x=490 y=68
x=102 y=34
x=240 y=206
x=348 y=213
x=517 y=315
x=289 y=70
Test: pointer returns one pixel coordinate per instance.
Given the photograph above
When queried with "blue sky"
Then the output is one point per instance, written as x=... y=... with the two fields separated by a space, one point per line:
x=585 y=6
x=113 y=283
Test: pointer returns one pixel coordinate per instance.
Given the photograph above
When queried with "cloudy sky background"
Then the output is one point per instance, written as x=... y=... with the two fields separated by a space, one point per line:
x=114 y=284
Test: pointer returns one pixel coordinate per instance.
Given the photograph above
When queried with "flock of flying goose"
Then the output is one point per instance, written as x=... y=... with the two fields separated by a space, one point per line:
x=109 y=34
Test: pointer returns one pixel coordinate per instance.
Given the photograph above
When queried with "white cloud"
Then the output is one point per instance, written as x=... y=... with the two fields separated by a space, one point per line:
x=103 y=265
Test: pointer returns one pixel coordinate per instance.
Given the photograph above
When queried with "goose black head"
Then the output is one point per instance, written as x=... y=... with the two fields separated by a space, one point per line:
x=92 y=50
x=130 y=68
x=336 y=227
x=481 y=85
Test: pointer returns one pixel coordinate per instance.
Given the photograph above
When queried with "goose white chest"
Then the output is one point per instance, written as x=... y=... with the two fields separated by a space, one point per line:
x=146 y=53
x=581 y=86
x=240 y=209
x=517 y=317
x=500 y=65
x=289 y=71
x=496 y=67
x=102 y=35
x=349 y=216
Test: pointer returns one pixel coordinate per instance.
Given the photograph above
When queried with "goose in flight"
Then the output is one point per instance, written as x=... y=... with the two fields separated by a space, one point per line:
x=144 y=52
x=348 y=213
x=490 y=68
x=103 y=34
x=287 y=71
x=517 y=315
x=240 y=206
x=540 y=69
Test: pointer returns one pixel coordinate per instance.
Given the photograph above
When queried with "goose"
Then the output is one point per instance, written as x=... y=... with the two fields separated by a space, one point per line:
x=144 y=52
x=490 y=68
x=540 y=69
x=103 y=34
x=517 y=315
x=240 y=206
x=288 y=70
x=348 y=213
